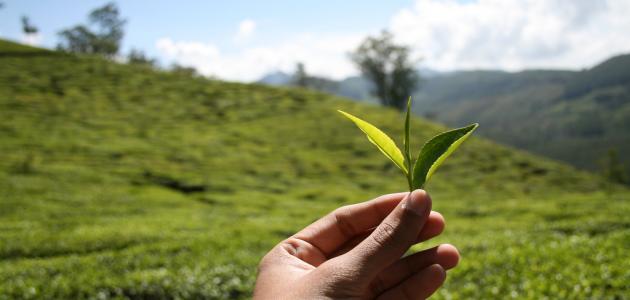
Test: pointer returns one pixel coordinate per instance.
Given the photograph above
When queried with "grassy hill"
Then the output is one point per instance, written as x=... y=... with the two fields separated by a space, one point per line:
x=119 y=181
x=574 y=117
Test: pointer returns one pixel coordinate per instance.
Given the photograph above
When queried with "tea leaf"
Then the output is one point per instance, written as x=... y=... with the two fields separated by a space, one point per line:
x=406 y=147
x=381 y=140
x=436 y=150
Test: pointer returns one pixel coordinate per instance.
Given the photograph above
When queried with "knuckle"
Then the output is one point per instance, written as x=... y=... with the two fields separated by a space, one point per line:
x=290 y=246
x=342 y=217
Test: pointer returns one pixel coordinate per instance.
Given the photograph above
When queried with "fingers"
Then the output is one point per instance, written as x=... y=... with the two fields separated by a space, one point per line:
x=444 y=255
x=432 y=228
x=389 y=241
x=335 y=229
x=419 y=286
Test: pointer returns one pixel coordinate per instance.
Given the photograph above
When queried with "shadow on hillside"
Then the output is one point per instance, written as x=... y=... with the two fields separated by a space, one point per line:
x=28 y=54
x=173 y=184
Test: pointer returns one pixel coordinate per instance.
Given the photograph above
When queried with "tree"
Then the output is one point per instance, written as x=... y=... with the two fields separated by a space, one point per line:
x=183 y=70
x=138 y=57
x=104 y=38
x=300 y=78
x=613 y=169
x=388 y=67
x=27 y=27
x=78 y=39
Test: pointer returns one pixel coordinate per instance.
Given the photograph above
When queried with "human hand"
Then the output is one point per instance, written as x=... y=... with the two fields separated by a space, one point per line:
x=355 y=253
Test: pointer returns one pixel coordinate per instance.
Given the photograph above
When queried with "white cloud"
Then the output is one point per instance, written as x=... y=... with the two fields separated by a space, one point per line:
x=514 y=34
x=33 y=39
x=245 y=30
x=322 y=55
x=186 y=52
x=447 y=34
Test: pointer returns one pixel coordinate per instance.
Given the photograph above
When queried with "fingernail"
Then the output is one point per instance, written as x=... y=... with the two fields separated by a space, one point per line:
x=417 y=202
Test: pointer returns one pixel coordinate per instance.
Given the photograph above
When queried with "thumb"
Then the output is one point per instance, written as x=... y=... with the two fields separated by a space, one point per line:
x=393 y=237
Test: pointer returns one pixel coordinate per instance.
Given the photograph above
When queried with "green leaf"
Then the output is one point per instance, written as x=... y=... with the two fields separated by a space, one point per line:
x=436 y=150
x=380 y=140
x=406 y=147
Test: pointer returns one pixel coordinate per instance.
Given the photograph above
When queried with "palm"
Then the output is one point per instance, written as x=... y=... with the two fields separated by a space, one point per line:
x=311 y=259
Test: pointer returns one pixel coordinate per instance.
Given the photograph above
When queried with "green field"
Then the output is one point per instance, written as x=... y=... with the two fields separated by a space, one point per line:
x=120 y=181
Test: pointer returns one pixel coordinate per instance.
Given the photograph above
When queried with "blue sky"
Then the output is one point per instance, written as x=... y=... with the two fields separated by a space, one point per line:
x=215 y=21
x=243 y=40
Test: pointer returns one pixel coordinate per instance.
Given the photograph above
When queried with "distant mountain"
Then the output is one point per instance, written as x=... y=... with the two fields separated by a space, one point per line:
x=573 y=116
x=355 y=87
x=429 y=73
x=612 y=72
x=276 y=78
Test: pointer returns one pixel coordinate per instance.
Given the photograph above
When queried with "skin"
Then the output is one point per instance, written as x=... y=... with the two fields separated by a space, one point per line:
x=356 y=252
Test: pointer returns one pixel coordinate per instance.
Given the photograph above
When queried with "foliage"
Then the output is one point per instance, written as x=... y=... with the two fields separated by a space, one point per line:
x=104 y=39
x=300 y=78
x=613 y=169
x=431 y=156
x=184 y=70
x=147 y=184
x=138 y=57
x=388 y=67
x=436 y=150
x=381 y=140
x=27 y=27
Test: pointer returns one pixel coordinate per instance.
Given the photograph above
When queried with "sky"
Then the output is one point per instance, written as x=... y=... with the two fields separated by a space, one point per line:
x=244 y=40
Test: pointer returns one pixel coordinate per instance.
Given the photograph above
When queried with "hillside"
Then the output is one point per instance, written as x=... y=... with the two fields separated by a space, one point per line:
x=120 y=181
x=574 y=117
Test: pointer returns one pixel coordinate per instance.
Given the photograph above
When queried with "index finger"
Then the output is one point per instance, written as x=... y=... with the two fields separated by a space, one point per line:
x=335 y=229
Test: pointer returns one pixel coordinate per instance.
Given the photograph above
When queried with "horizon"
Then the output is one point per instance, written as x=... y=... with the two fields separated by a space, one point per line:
x=244 y=40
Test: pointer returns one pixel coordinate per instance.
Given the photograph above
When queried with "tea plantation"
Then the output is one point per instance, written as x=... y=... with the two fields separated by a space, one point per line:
x=120 y=181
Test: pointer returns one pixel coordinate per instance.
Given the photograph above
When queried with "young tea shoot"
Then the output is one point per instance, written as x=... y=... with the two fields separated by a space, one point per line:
x=431 y=156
